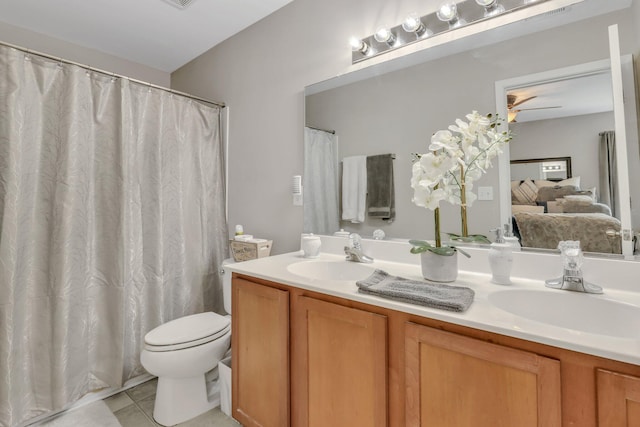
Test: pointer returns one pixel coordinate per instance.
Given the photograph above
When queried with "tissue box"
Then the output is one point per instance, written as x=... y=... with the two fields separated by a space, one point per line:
x=244 y=251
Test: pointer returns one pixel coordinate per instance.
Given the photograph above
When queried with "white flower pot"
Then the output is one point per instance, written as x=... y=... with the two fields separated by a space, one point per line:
x=439 y=268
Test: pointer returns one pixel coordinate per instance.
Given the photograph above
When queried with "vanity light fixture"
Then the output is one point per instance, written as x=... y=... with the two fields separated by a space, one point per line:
x=491 y=7
x=360 y=46
x=448 y=12
x=451 y=15
x=413 y=24
x=384 y=35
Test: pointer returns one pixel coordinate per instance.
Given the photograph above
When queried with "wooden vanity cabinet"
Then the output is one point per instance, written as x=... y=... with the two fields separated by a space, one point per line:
x=303 y=358
x=341 y=365
x=455 y=381
x=260 y=352
x=618 y=399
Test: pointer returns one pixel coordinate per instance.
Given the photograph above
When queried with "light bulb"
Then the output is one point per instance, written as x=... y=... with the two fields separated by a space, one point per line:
x=384 y=35
x=447 y=12
x=413 y=24
x=358 y=45
x=491 y=7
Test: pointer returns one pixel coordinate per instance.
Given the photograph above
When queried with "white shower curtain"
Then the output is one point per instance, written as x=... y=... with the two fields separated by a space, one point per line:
x=111 y=222
x=320 y=183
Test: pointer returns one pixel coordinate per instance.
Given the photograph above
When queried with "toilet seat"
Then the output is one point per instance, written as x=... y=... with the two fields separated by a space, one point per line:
x=188 y=331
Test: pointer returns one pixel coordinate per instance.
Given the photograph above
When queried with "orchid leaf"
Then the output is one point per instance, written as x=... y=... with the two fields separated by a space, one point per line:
x=420 y=246
x=472 y=238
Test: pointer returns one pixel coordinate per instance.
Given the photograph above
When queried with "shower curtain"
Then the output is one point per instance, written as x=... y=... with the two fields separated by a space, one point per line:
x=111 y=222
x=320 y=184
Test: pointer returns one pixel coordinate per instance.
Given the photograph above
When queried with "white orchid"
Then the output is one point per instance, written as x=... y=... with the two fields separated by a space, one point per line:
x=458 y=156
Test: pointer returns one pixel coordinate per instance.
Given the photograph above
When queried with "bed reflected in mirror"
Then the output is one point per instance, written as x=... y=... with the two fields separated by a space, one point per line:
x=548 y=202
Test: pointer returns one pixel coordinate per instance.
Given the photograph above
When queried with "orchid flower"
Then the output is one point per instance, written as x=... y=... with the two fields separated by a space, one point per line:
x=457 y=157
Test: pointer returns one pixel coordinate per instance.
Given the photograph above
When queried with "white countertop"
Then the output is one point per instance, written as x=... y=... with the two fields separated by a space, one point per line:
x=482 y=314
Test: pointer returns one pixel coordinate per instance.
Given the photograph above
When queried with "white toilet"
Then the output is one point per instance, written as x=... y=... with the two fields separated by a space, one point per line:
x=180 y=353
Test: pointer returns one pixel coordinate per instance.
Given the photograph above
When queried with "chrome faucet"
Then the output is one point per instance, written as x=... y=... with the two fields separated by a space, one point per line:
x=354 y=250
x=571 y=279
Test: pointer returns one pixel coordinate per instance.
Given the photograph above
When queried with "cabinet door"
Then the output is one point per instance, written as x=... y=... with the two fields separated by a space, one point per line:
x=618 y=399
x=456 y=381
x=341 y=353
x=260 y=343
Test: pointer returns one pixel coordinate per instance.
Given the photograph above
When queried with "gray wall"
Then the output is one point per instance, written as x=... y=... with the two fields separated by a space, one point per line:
x=576 y=137
x=55 y=47
x=261 y=74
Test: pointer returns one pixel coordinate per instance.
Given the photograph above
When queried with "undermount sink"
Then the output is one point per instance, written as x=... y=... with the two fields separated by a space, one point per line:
x=331 y=270
x=580 y=312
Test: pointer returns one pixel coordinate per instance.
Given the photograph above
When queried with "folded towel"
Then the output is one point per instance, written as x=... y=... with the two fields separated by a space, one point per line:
x=354 y=188
x=434 y=295
x=380 y=188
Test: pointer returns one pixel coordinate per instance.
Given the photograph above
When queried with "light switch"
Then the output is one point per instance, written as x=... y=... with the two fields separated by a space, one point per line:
x=485 y=193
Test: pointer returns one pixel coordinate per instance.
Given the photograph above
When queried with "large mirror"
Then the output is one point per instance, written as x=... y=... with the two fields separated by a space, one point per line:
x=554 y=169
x=574 y=105
x=397 y=112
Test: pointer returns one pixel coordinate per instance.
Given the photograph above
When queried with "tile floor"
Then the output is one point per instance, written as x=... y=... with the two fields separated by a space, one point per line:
x=134 y=408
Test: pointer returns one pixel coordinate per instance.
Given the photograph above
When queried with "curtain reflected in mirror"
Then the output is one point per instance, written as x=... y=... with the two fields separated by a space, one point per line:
x=320 y=183
x=608 y=171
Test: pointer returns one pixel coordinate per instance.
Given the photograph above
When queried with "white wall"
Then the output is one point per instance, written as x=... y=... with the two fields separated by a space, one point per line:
x=44 y=44
x=261 y=74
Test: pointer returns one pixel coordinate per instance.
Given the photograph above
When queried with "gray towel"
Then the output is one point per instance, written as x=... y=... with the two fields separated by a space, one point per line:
x=434 y=295
x=380 y=187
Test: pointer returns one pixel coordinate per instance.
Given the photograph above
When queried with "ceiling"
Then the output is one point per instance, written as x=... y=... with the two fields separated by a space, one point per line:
x=151 y=32
x=576 y=96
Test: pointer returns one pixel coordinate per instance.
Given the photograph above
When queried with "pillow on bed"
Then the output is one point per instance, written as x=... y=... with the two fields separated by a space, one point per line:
x=546 y=194
x=525 y=193
x=555 y=206
x=569 y=181
x=579 y=198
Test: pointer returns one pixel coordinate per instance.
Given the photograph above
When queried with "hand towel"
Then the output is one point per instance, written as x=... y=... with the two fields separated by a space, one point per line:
x=434 y=295
x=354 y=188
x=380 y=187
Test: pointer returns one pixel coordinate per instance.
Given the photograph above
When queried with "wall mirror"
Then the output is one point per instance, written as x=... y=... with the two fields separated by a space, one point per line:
x=574 y=105
x=553 y=169
x=397 y=112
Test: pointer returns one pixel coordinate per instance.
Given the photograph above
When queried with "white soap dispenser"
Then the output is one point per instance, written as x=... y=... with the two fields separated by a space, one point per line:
x=510 y=238
x=500 y=259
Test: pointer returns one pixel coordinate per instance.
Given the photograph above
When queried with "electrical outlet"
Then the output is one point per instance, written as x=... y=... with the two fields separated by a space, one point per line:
x=485 y=193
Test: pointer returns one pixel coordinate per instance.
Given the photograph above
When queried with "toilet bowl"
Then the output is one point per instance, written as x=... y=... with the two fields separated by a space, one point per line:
x=180 y=353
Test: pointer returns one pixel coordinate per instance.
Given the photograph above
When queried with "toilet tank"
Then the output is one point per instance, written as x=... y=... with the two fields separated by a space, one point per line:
x=226 y=284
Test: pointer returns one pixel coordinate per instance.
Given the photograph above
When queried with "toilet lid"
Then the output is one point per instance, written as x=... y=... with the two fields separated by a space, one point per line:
x=196 y=327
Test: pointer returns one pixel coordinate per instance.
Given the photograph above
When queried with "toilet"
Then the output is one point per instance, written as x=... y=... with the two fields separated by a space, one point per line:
x=180 y=353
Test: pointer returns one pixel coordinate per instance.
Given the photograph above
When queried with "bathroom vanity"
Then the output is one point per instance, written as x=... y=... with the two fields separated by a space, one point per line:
x=309 y=350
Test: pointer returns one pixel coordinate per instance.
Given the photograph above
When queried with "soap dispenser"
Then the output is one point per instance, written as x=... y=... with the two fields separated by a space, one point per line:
x=510 y=238
x=500 y=259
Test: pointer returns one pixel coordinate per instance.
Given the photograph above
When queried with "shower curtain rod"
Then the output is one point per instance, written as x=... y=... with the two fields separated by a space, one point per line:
x=323 y=130
x=107 y=73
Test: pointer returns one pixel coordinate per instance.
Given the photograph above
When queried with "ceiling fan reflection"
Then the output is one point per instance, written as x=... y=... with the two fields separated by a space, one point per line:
x=512 y=102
